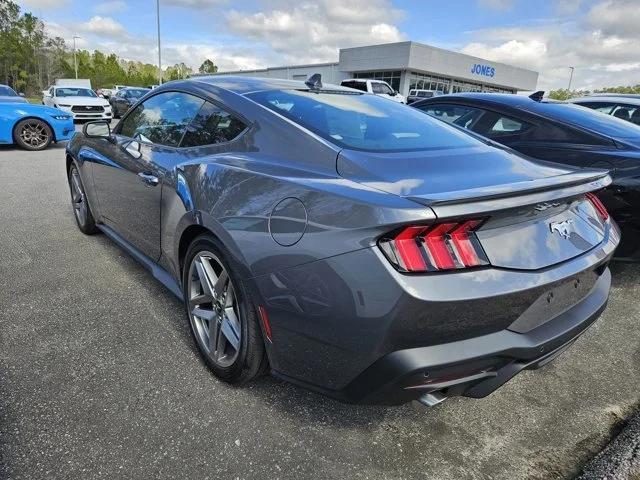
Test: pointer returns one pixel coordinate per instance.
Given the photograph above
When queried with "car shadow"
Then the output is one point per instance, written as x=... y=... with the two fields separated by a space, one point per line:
x=625 y=273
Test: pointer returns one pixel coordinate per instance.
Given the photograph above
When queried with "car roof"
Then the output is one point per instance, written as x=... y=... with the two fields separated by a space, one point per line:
x=501 y=98
x=613 y=99
x=242 y=85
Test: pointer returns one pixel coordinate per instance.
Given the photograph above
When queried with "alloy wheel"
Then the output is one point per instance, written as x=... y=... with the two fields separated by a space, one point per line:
x=35 y=134
x=78 y=198
x=213 y=309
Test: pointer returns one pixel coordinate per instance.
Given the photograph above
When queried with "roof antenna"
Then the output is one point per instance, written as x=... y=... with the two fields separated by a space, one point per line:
x=537 y=96
x=314 y=82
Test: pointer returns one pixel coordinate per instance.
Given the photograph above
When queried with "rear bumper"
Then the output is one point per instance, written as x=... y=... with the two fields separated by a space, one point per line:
x=478 y=366
x=387 y=338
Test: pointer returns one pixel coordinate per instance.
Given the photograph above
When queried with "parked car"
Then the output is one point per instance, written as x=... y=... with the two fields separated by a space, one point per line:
x=80 y=102
x=9 y=95
x=33 y=127
x=558 y=132
x=344 y=242
x=125 y=98
x=624 y=108
x=418 y=94
x=377 y=87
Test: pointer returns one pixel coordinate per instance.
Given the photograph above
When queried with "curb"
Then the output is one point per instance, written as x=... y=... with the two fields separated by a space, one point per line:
x=620 y=460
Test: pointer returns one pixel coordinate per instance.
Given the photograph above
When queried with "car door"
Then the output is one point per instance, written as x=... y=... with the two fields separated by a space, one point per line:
x=49 y=99
x=145 y=147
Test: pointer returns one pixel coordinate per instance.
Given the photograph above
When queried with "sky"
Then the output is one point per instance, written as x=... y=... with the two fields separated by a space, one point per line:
x=600 y=38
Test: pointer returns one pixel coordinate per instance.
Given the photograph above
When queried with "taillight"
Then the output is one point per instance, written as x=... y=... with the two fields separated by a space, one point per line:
x=598 y=205
x=432 y=248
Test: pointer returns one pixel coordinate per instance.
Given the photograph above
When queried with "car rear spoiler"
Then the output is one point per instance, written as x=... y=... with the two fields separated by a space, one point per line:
x=499 y=197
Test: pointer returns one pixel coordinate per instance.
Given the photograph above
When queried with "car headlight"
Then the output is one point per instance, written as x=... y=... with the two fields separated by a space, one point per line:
x=61 y=117
x=63 y=105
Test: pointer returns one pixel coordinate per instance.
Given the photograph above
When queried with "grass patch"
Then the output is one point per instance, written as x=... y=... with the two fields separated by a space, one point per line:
x=36 y=100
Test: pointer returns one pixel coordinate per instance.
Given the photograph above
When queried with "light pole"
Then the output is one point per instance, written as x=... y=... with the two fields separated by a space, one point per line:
x=570 y=78
x=75 y=61
x=159 y=50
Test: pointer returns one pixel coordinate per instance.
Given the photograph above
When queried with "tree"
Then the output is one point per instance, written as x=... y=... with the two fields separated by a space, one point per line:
x=178 y=72
x=208 y=67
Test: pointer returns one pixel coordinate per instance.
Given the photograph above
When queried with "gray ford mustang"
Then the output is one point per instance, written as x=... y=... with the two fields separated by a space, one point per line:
x=343 y=242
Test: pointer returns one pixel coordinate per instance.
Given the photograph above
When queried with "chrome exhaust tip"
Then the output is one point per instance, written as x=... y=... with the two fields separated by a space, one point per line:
x=432 y=399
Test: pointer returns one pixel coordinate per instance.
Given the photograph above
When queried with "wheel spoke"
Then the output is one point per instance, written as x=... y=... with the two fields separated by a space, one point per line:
x=221 y=284
x=205 y=280
x=214 y=337
x=199 y=300
x=231 y=329
x=220 y=343
x=203 y=313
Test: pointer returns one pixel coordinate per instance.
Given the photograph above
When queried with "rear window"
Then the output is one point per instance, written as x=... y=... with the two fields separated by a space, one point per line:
x=587 y=118
x=362 y=122
x=7 y=92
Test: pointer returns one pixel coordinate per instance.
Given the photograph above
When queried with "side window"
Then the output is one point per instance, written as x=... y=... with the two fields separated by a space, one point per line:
x=362 y=86
x=550 y=133
x=604 y=107
x=380 y=88
x=625 y=112
x=210 y=126
x=456 y=114
x=162 y=119
x=507 y=126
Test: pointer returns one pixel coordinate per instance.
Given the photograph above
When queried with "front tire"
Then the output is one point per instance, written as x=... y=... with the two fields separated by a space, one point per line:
x=81 y=210
x=32 y=134
x=223 y=320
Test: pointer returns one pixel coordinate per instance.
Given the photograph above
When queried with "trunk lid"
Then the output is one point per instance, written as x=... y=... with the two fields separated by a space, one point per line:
x=536 y=215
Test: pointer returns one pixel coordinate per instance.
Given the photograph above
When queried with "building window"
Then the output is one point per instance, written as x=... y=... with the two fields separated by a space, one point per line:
x=422 y=81
x=391 y=77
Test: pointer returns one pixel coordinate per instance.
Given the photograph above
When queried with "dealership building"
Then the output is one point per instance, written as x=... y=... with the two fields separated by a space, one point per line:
x=409 y=65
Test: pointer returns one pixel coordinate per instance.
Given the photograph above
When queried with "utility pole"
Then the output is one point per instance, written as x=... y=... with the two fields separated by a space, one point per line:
x=570 y=78
x=159 y=49
x=75 y=61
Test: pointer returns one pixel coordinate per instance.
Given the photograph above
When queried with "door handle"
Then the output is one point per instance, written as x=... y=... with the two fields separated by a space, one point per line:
x=150 y=180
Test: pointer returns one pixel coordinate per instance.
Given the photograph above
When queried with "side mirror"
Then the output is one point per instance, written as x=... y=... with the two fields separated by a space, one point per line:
x=97 y=129
x=394 y=93
x=21 y=94
x=133 y=149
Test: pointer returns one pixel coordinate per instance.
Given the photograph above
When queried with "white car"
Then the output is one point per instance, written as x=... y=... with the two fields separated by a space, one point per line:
x=377 y=87
x=82 y=103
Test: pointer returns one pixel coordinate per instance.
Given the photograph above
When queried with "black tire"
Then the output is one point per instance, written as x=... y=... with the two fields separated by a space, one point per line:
x=251 y=361
x=32 y=134
x=81 y=212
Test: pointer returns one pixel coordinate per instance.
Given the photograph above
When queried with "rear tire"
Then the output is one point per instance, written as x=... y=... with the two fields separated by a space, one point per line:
x=223 y=319
x=81 y=210
x=32 y=134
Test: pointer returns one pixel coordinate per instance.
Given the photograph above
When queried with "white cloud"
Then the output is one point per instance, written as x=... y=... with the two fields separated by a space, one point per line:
x=601 y=43
x=110 y=7
x=104 y=27
x=305 y=31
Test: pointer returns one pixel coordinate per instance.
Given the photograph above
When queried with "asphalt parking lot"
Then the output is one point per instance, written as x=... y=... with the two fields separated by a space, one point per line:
x=99 y=378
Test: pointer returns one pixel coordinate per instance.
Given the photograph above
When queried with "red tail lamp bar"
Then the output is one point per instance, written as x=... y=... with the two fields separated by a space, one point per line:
x=599 y=206
x=431 y=248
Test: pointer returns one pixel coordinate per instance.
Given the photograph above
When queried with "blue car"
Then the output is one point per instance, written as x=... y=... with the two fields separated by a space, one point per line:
x=33 y=127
